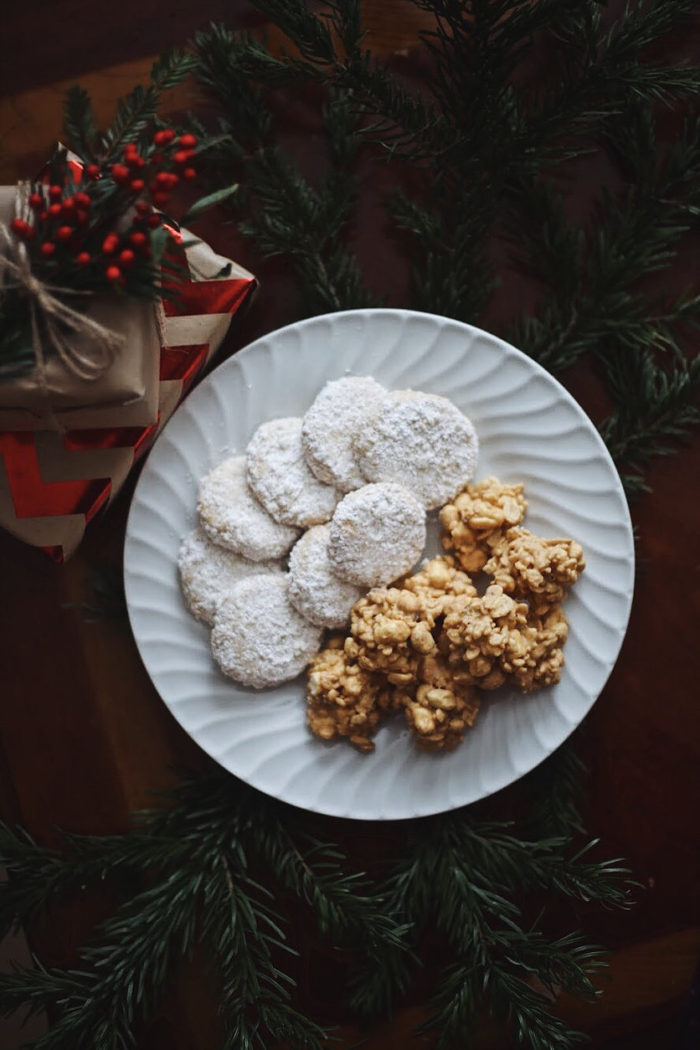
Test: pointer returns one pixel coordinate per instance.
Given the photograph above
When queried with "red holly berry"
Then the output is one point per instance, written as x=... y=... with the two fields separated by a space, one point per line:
x=47 y=249
x=83 y=259
x=187 y=141
x=36 y=201
x=189 y=174
x=161 y=197
x=81 y=216
x=43 y=215
x=64 y=233
x=130 y=147
x=92 y=171
x=55 y=193
x=136 y=185
x=164 y=137
x=164 y=179
x=110 y=243
x=68 y=206
x=113 y=273
x=138 y=238
x=142 y=208
x=22 y=228
x=126 y=257
x=54 y=210
x=183 y=155
x=153 y=220
x=120 y=173
x=133 y=160
x=83 y=199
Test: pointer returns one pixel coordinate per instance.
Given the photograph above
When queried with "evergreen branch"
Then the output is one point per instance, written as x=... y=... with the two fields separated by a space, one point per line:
x=196 y=850
x=218 y=46
x=98 y=1006
x=642 y=24
x=556 y=791
x=478 y=869
x=171 y=68
x=347 y=909
x=241 y=934
x=137 y=110
x=310 y=34
x=528 y=1014
x=37 y=874
x=309 y=235
x=285 y=215
x=223 y=69
x=657 y=407
x=78 y=122
x=505 y=985
x=596 y=302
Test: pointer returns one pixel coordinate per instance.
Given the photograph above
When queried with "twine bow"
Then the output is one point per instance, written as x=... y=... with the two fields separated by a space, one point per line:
x=53 y=322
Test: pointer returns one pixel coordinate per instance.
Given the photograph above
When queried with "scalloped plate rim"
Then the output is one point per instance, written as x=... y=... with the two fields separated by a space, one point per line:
x=233 y=365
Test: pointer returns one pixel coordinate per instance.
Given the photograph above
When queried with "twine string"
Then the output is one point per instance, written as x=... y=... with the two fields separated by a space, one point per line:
x=53 y=322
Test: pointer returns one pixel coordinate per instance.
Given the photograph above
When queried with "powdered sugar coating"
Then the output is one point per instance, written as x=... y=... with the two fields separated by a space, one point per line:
x=231 y=516
x=421 y=441
x=376 y=535
x=339 y=412
x=258 y=638
x=208 y=572
x=279 y=476
x=320 y=596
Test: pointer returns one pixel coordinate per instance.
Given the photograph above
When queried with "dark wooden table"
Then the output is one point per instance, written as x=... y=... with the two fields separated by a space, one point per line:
x=85 y=737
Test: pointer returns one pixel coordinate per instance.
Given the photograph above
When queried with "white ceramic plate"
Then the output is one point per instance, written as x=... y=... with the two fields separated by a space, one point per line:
x=530 y=430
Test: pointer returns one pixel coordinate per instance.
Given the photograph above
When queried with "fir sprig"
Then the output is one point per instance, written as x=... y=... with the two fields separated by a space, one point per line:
x=464 y=878
x=658 y=408
x=196 y=854
x=277 y=206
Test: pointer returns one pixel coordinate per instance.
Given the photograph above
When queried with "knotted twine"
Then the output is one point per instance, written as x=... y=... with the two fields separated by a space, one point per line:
x=61 y=325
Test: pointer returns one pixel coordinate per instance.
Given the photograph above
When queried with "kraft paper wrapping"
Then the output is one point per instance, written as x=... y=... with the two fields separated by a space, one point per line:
x=126 y=394
x=53 y=483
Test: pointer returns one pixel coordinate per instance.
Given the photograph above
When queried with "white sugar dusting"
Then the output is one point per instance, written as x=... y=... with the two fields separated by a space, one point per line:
x=339 y=412
x=421 y=441
x=319 y=595
x=258 y=638
x=208 y=572
x=279 y=476
x=376 y=535
x=231 y=516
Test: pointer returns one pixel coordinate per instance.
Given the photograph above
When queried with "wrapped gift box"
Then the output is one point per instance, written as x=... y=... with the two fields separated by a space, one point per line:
x=53 y=481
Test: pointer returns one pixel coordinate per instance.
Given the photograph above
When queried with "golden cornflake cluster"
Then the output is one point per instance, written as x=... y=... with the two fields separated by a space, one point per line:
x=343 y=699
x=477 y=517
x=431 y=643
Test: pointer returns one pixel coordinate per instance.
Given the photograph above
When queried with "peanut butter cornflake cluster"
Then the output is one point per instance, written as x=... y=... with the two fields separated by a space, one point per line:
x=431 y=644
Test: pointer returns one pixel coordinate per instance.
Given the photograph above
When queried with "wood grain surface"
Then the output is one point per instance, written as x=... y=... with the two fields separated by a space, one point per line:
x=85 y=738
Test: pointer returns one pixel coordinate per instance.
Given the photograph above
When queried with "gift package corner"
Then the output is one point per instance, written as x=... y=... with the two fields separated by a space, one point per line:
x=66 y=446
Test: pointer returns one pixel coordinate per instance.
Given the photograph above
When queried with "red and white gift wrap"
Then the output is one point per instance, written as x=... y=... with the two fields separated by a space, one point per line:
x=54 y=481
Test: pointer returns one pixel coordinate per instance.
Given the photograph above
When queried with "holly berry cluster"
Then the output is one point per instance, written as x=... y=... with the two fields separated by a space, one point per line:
x=96 y=226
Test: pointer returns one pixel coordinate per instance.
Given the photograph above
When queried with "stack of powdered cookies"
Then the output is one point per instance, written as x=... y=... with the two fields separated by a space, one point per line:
x=307 y=529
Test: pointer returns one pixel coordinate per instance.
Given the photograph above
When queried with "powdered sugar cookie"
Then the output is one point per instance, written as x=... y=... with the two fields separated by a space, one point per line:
x=376 y=535
x=339 y=412
x=231 y=516
x=258 y=638
x=208 y=572
x=320 y=596
x=421 y=441
x=279 y=477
